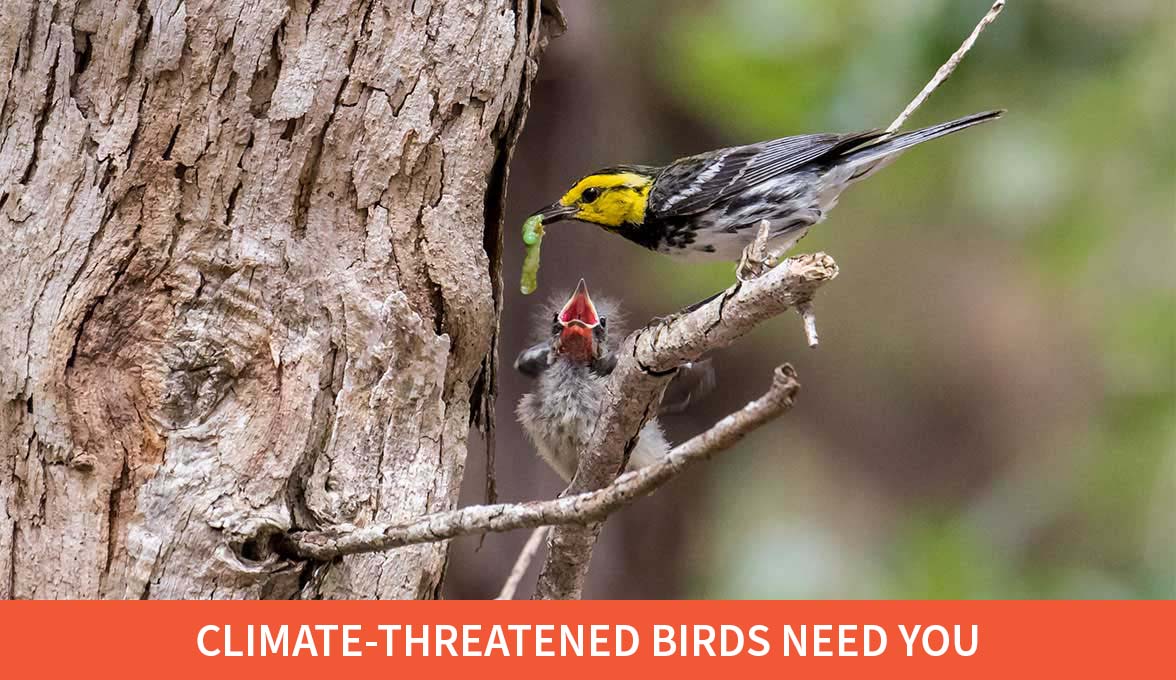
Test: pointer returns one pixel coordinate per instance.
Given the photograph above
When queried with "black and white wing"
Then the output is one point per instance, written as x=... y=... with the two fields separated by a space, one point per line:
x=692 y=382
x=693 y=184
x=534 y=360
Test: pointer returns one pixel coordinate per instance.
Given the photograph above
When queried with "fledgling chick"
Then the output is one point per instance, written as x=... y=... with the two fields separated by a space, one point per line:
x=572 y=369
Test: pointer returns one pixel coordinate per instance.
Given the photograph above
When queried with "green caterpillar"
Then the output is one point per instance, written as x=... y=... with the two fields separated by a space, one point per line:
x=532 y=238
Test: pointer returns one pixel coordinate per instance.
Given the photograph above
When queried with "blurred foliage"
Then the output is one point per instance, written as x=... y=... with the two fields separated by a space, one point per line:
x=1068 y=201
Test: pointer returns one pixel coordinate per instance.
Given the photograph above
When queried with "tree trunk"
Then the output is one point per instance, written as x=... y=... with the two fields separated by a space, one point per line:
x=249 y=263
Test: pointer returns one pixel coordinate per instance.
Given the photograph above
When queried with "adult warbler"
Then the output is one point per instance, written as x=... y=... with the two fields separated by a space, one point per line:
x=709 y=206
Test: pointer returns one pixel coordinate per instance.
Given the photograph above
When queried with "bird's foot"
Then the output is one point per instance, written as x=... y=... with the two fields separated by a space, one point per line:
x=755 y=259
x=751 y=268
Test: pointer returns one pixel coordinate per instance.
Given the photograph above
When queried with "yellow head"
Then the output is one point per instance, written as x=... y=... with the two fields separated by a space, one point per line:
x=611 y=198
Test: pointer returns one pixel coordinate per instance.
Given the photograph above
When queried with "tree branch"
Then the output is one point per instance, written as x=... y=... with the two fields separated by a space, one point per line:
x=578 y=509
x=948 y=67
x=646 y=361
x=522 y=563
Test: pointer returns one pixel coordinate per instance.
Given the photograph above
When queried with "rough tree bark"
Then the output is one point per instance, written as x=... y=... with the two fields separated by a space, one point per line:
x=248 y=258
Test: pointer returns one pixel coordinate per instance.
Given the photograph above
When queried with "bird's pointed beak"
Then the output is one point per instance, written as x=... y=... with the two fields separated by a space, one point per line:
x=579 y=310
x=557 y=212
x=578 y=319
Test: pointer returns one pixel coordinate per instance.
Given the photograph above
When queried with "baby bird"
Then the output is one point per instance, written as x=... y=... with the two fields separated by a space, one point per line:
x=572 y=368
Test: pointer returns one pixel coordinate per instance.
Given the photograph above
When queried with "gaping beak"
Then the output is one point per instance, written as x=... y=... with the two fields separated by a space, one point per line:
x=557 y=212
x=578 y=320
x=579 y=309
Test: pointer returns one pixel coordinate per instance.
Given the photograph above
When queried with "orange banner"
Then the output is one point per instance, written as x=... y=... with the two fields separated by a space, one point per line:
x=586 y=639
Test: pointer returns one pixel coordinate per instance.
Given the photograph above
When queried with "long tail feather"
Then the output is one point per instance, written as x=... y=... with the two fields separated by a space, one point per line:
x=874 y=153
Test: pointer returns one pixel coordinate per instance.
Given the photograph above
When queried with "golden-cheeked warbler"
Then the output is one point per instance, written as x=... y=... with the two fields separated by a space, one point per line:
x=710 y=205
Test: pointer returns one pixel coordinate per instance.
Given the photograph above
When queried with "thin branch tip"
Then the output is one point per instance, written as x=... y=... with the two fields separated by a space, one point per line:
x=785 y=379
x=948 y=67
x=523 y=562
x=809 y=318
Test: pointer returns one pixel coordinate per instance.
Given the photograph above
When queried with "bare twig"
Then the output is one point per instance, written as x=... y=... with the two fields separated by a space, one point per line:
x=646 y=362
x=580 y=509
x=948 y=68
x=522 y=563
x=810 y=323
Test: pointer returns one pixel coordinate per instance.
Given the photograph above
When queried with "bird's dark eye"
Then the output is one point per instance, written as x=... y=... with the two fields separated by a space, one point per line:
x=590 y=194
x=603 y=322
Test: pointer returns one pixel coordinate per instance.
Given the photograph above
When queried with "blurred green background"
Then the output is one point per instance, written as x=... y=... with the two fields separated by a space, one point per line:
x=992 y=412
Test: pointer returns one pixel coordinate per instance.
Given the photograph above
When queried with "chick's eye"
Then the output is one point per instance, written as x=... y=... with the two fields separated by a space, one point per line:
x=590 y=194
